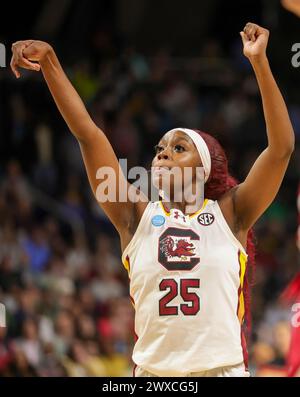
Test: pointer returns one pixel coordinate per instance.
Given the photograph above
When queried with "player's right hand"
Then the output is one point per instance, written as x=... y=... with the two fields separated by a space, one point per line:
x=27 y=54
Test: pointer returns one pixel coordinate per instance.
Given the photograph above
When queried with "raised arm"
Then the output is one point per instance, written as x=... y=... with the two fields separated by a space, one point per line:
x=95 y=147
x=256 y=193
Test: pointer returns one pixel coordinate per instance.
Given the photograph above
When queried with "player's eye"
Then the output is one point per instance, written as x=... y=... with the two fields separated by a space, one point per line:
x=179 y=148
x=158 y=149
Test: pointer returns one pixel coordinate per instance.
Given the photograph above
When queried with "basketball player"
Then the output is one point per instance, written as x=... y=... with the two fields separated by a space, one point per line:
x=187 y=270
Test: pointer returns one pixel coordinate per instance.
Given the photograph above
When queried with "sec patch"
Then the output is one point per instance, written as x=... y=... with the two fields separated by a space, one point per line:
x=206 y=219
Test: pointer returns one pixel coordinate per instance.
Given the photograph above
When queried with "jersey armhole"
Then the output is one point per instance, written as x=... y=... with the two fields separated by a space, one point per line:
x=224 y=225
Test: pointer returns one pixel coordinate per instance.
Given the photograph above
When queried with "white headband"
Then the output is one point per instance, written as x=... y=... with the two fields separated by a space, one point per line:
x=201 y=147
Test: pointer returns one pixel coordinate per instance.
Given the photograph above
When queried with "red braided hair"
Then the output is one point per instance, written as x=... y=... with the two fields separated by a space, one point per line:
x=218 y=183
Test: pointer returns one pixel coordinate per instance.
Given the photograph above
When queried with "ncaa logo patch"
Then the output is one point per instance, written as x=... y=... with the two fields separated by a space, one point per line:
x=158 y=220
x=206 y=219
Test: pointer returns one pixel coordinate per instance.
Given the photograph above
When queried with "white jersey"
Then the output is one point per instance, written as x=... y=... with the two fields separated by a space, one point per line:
x=186 y=281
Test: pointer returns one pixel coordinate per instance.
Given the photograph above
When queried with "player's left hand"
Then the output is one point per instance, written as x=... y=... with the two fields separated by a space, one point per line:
x=255 y=41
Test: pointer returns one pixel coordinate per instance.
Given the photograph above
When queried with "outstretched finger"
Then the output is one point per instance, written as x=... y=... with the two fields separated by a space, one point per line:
x=24 y=62
x=14 y=67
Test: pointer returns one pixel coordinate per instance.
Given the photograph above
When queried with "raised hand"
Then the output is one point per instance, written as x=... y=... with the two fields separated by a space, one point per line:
x=255 y=41
x=26 y=54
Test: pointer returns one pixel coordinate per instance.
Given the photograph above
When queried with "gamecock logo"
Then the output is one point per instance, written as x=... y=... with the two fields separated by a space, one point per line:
x=176 y=249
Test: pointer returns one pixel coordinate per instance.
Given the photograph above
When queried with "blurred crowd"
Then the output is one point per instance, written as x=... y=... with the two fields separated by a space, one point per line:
x=61 y=278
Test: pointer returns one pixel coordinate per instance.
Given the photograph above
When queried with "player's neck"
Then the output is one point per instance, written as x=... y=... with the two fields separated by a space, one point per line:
x=185 y=207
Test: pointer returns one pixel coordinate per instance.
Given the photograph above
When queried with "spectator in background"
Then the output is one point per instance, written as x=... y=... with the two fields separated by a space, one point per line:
x=37 y=249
